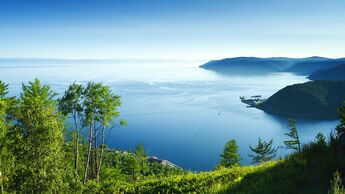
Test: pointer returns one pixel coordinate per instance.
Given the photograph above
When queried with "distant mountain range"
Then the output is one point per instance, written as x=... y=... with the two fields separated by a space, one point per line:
x=255 y=65
x=314 y=99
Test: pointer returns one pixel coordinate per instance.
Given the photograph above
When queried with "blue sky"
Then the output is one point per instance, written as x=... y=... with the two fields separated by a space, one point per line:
x=171 y=29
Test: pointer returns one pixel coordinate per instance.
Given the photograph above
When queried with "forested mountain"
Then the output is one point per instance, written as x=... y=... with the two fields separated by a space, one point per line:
x=308 y=67
x=248 y=65
x=254 y=65
x=334 y=73
x=315 y=99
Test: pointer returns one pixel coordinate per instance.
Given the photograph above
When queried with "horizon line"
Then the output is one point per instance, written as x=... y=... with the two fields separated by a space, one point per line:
x=152 y=59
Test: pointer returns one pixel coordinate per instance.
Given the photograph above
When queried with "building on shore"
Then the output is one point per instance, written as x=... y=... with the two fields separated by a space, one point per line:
x=162 y=162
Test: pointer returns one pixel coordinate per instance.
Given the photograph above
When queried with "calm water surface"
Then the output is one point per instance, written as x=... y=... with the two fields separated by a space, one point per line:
x=179 y=112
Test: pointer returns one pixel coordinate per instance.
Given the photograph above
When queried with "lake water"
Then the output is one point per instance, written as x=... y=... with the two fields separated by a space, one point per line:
x=178 y=111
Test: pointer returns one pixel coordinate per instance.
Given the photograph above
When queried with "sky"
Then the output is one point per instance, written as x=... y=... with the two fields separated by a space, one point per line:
x=171 y=29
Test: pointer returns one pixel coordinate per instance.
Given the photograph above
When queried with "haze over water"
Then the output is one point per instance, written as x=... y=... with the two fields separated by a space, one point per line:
x=180 y=112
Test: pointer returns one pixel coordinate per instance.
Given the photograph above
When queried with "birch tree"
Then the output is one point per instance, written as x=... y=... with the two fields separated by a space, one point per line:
x=71 y=104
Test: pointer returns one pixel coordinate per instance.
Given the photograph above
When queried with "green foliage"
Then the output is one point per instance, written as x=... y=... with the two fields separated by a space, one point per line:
x=34 y=158
x=314 y=99
x=133 y=167
x=71 y=100
x=336 y=185
x=3 y=89
x=100 y=103
x=230 y=156
x=39 y=155
x=320 y=139
x=294 y=142
x=263 y=151
x=71 y=104
x=341 y=129
x=6 y=159
x=100 y=108
x=341 y=114
x=142 y=158
x=6 y=155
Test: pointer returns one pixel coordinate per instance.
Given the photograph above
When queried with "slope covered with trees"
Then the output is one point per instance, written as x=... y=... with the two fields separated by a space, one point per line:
x=334 y=73
x=248 y=65
x=308 y=67
x=315 y=99
x=255 y=65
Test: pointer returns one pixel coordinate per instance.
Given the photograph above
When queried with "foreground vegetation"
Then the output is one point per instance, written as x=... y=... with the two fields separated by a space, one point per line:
x=37 y=157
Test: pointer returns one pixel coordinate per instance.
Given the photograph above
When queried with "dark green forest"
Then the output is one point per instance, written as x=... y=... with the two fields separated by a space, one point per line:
x=56 y=144
x=313 y=99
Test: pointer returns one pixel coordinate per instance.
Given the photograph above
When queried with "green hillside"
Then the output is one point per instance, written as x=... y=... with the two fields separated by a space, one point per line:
x=315 y=99
x=307 y=172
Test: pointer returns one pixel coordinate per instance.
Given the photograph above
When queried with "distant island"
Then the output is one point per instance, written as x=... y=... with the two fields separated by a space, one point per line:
x=314 y=99
x=334 y=73
x=255 y=65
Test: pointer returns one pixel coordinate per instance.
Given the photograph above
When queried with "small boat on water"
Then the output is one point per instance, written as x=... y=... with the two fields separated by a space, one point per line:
x=253 y=100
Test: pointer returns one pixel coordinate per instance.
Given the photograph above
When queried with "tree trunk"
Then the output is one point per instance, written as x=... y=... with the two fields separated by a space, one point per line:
x=299 y=143
x=101 y=156
x=89 y=150
x=1 y=184
x=76 y=148
x=95 y=150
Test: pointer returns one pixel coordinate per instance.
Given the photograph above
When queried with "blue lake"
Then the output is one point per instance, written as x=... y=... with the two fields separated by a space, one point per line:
x=178 y=111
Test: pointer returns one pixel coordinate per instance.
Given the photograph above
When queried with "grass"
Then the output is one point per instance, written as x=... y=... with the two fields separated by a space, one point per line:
x=310 y=171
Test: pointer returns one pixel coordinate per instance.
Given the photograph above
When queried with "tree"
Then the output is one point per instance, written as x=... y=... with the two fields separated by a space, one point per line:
x=106 y=115
x=3 y=89
x=294 y=142
x=39 y=157
x=100 y=110
x=131 y=166
x=3 y=144
x=341 y=129
x=336 y=184
x=230 y=156
x=71 y=104
x=263 y=151
x=7 y=109
x=3 y=133
x=142 y=158
x=91 y=103
x=320 y=139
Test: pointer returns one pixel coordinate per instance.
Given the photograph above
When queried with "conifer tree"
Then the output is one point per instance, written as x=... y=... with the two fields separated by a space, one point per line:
x=263 y=151
x=230 y=156
x=320 y=139
x=336 y=184
x=3 y=132
x=341 y=129
x=3 y=144
x=294 y=142
x=7 y=162
x=142 y=157
x=39 y=158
